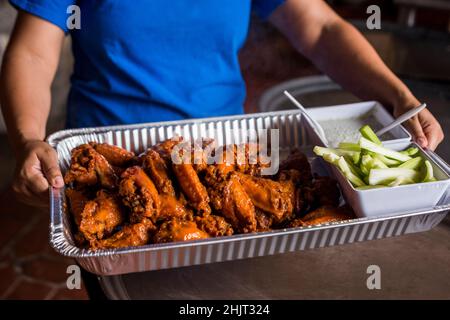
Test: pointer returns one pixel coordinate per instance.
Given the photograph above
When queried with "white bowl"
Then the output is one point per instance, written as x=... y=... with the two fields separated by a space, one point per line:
x=392 y=200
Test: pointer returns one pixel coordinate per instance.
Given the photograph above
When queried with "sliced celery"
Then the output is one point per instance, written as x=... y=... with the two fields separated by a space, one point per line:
x=400 y=181
x=429 y=175
x=387 y=161
x=355 y=170
x=364 y=168
x=386 y=176
x=320 y=151
x=370 y=146
x=356 y=157
x=349 y=146
x=378 y=164
x=366 y=163
x=414 y=163
x=368 y=133
x=369 y=163
x=331 y=158
x=345 y=168
x=412 y=151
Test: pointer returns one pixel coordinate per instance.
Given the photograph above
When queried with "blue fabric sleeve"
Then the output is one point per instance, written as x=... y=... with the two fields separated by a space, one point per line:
x=54 y=11
x=263 y=8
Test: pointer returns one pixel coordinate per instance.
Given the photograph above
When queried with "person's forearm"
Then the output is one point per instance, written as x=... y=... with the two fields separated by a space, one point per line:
x=25 y=96
x=28 y=69
x=347 y=57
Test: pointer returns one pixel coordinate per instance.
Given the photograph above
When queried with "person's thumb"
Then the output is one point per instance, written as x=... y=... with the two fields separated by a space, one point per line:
x=416 y=130
x=50 y=168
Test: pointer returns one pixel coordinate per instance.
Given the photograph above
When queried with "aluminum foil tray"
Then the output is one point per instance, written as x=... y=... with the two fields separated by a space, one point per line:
x=294 y=132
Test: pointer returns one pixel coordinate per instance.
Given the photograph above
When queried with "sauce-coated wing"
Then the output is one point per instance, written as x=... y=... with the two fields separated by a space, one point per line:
x=270 y=196
x=115 y=155
x=139 y=194
x=171 y=208
x=77 y=201
x=156 y=168
x=178 y=230
x=131 y=235
x=215 y=226
x=327 y=214
x=88 y=168
x=192 y=188
x=230 y=198
x=165 y=148
x=100 y=216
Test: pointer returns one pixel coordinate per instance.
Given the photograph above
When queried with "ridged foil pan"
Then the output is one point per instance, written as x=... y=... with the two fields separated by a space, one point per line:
x=293 y=131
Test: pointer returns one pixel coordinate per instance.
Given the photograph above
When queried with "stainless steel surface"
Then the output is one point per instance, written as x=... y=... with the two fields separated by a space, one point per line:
x=293 y=132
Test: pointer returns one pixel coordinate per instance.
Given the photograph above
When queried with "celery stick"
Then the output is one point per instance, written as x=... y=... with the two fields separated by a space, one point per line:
x=414 y=163
x=386 y=176
x=364 y=169
x=349 y=146
x=429 y=176
x=356 y=157
x=320 y=151
x=378 y=164
x=372 y=163
x=370 y=146
x=387 y=161
x=331 y=158
x=400 y=181
x=355 y=170
x=367 y=163
x=344 y=167
x=412 y=151
x=378 y=186
x=368 y=133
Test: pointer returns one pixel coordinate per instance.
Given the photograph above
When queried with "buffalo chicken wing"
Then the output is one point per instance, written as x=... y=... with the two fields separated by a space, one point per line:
x=116 y=156
x=159 y=199
x=131 y=235
x=274 y=197
x=88 y=167
x=100 y=216
x=179 y=230
x=139 y=194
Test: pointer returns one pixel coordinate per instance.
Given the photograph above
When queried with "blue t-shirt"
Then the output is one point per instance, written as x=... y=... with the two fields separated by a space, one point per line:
x=143 y=61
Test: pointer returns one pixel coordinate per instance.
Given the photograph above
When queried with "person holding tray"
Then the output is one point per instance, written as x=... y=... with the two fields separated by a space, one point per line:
x=145 y=61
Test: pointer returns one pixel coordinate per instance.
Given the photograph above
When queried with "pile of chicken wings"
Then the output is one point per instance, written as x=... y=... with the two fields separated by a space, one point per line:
x=118 y=199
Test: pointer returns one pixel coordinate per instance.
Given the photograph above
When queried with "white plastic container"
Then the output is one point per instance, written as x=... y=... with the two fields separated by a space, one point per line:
x=386 y=201
x=345 y=116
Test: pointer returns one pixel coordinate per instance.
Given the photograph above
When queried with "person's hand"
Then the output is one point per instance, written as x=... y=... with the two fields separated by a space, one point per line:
x=37 y=169
x=424 y=127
